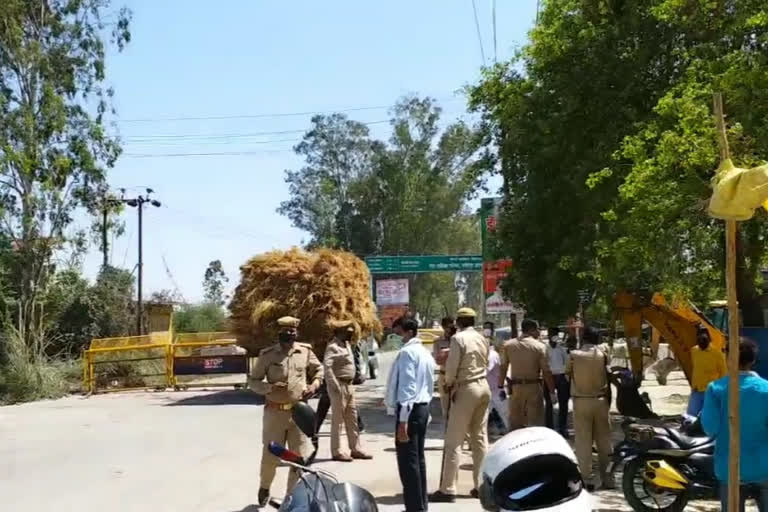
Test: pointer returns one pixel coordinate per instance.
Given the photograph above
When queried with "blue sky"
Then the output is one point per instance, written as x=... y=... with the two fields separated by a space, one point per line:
x=195 y=59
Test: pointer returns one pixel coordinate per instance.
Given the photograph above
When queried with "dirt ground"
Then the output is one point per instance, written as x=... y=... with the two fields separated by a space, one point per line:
x=200 y=451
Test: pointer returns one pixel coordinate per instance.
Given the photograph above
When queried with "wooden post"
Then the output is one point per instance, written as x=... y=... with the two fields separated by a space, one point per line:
x=733 y=329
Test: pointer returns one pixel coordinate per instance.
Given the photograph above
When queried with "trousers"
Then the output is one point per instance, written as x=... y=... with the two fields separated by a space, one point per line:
x=500 y=406
x=343 y=412
x=468 y=416
x=591 y=423
x=278 y=426
x=563 y=390
x=411 y=463
x=526 y=406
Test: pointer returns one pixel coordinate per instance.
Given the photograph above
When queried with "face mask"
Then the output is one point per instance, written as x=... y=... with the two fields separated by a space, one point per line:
x=286 y=337
x=487 y=333
x=553 y=341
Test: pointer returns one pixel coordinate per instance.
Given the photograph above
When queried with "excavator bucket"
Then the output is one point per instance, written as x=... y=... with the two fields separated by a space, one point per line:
x=677 y=323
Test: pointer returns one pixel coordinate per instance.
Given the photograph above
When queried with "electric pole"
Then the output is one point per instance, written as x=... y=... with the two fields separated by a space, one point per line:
x=138 y=202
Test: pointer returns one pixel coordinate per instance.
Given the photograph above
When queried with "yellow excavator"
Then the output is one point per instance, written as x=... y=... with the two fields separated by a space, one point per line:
x=676 y=322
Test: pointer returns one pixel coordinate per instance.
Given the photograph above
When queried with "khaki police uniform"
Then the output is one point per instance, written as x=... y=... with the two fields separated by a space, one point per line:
x=440 y=344
x=339 y=364
x=287 y=375
x=465 y=375
x=591 y=402
x=528 y=362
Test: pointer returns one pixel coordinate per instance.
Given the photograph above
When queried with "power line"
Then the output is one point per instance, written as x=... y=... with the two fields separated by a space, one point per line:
x=197 y=136
x=264 y=116
x=479 y=36
x=213 y=153
x=493 y=21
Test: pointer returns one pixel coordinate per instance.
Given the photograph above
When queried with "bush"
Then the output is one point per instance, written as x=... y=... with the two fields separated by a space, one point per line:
x=27 y=373
x=206 y=317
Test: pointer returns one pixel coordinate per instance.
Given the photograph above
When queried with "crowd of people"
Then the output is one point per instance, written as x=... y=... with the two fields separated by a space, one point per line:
x=479 y=378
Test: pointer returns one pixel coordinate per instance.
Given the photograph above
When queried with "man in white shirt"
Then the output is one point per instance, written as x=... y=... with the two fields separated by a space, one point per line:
x=558 y=361
x=498 y=398
x=409 y=392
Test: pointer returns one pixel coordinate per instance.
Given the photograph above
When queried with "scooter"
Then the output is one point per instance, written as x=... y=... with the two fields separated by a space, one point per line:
x=317 y=490
x=664 y=467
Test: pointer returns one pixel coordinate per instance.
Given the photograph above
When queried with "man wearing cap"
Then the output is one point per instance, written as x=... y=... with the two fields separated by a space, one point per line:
x=288 y=367
x=591 y=393
x=469 y=397
x=339 y=364
x=528 y=362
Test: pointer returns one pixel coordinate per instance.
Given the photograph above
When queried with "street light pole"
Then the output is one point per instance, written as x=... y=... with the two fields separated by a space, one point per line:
x=138 y=202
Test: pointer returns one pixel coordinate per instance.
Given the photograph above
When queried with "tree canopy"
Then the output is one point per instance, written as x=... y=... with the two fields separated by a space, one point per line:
x=406 y=195
x=607 y=147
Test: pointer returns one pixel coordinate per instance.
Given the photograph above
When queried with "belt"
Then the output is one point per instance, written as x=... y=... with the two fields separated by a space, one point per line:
x=470 y=381
x=278 y=406
x=512 y=382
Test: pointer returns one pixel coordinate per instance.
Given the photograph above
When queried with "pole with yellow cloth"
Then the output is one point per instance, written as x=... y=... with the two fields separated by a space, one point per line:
x=736 y=194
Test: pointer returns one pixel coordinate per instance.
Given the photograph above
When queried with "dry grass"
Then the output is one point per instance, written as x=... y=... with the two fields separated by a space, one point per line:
x=315 y=287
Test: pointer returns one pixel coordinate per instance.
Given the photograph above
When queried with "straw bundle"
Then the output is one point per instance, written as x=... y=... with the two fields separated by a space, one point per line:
x=315 y=287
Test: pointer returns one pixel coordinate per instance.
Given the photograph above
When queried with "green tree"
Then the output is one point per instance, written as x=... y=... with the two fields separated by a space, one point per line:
x=607 y=147
x=54 y=150
x=206 y=317
x=406 y=195
x=214 y=281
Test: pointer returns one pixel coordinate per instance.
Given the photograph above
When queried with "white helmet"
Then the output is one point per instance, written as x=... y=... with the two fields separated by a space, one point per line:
x=532 y=469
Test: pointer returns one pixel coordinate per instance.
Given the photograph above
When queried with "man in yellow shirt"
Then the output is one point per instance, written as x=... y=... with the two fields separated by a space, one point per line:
x=708 y=365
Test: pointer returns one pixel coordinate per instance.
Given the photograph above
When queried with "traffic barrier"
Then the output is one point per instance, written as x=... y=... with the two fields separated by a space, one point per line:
x=126 y=363
x=120 y=356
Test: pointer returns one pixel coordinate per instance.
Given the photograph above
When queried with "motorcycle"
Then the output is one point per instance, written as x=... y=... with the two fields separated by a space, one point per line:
x=665 y=467
x=317 y=490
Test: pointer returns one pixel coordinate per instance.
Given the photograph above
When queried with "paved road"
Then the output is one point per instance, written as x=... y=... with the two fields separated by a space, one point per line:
x=195 y=451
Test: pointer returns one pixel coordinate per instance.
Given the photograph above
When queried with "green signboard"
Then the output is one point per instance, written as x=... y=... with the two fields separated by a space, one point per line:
x=424 y=264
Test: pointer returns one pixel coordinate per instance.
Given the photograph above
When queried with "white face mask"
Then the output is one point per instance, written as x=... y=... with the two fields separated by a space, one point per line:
x=487 y=333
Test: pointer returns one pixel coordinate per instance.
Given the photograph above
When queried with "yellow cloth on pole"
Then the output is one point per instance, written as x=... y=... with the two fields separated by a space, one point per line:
x=738 y=192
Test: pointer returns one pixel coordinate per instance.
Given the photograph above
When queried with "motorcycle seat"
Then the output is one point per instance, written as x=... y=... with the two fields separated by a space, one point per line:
x=687 y=442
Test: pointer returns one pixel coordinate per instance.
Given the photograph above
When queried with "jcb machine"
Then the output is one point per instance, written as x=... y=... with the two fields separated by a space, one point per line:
x=676 y=323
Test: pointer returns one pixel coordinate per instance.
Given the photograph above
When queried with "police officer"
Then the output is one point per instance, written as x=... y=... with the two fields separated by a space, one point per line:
x=469 y=396
x=528 y=362
x=591 y=393
x=339 y=364
x=288 y=367
x=440 y=350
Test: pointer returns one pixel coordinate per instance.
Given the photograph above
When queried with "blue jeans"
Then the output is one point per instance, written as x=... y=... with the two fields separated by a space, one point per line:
x=695 y=403
x=758 y=492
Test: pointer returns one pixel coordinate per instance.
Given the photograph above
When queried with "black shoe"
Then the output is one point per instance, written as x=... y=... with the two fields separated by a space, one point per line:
x=474 y=494
x=263 y=497
x=441 y=497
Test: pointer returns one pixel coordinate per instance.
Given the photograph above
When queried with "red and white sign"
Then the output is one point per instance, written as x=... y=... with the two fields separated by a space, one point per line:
x=392 y=292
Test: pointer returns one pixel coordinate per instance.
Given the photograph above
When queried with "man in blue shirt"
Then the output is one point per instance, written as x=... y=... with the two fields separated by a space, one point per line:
x=409 y=392
x=753 y=411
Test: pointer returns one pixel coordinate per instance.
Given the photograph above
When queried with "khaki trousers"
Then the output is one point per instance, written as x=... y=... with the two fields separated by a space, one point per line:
x=526 y=406
x=468 y=417
x=591 y=422
x=278 y=426
x=343 y=412
x=443 y=394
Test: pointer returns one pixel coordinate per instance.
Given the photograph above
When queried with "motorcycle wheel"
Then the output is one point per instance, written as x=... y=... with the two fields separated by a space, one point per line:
x=642 y=498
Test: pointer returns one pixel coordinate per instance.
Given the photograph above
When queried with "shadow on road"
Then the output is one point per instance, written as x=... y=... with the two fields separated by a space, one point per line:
x=228 y=397
x=249 y=508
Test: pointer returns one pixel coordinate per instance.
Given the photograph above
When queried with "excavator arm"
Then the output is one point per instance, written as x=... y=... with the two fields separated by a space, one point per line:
x=677 y=324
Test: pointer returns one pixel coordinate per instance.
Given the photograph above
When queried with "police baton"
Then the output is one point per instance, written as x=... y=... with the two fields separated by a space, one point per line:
x=445 y=433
